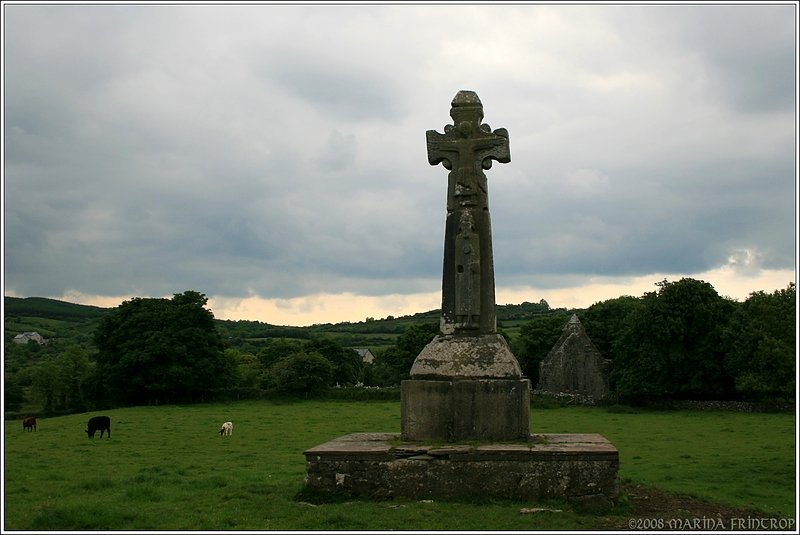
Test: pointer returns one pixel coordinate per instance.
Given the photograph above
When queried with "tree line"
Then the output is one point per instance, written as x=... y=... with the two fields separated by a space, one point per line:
x=682 y=341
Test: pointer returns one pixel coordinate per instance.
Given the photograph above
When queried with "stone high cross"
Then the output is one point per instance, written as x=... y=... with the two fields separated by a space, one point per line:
x=466 y=148
x=466 y=384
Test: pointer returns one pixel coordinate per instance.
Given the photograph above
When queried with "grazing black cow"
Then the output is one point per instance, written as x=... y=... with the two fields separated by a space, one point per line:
x=29 y=424
x=99 y=423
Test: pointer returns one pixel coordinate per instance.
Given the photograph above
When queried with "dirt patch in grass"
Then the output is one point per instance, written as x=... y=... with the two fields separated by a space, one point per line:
x=653 y=509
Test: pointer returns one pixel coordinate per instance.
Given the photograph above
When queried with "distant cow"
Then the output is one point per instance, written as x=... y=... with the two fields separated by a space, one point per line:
x=226 y=429
x=29 y=424
x=99 y=423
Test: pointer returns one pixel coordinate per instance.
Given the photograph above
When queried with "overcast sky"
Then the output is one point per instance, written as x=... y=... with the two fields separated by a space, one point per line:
x=273 y=157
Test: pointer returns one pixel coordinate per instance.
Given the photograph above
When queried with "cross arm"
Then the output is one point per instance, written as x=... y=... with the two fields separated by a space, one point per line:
x=441 y=149
x=497 y=149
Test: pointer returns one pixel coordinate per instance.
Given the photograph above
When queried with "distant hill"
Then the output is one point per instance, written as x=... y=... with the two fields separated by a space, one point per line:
x=42 y=307
x=51 y=317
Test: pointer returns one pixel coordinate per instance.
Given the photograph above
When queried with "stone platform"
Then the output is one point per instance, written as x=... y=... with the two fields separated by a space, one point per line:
x=581 y=468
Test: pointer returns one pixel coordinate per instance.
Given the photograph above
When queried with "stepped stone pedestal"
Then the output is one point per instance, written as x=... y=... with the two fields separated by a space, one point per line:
x=465 y=410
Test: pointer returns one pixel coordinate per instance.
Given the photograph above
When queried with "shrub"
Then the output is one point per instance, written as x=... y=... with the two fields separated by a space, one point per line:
x=302 y=373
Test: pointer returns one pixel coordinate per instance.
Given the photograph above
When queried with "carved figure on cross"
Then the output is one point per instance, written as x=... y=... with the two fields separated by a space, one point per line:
x=466 y=148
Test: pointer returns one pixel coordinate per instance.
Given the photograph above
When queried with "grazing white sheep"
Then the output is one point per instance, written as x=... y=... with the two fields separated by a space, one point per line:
x=226 y=429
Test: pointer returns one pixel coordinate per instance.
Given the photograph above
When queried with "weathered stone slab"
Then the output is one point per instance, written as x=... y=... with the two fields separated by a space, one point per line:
x=577 y=467
x=490 y=410
x=561 y=438
x=450 y=450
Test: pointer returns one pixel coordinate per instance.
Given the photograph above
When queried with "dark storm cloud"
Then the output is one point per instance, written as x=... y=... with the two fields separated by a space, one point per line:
x=280 y=150
x=330 y=86
x=744 y=51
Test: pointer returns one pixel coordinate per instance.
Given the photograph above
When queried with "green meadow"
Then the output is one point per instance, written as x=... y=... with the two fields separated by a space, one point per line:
x=166 y=468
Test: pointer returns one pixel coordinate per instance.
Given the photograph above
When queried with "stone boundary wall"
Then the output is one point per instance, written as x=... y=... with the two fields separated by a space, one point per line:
x=676 y=404
x=732 y=406
x=568 y=397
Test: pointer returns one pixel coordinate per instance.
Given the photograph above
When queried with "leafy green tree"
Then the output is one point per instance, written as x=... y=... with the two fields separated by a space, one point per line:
x=13 y=395
x=248 y=368
x=672 y=347
x=525 y=310
x=45 y=386
x=604 y=322
x=161 y=350
x=303 y=373
x=761 y=343
x=348 y=368
x=414 y=338
x=19 y=356
x=277 y=349
x=393 y=364
x=74 y=370
x=62 y=384
x=388 y=366
x=33 y=347
x=536 y=338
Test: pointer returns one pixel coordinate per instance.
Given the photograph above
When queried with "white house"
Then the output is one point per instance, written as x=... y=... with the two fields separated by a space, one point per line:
x=24 y=338
x=366 y=354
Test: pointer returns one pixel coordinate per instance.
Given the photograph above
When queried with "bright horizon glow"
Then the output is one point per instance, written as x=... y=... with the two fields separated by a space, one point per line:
x=347 y=307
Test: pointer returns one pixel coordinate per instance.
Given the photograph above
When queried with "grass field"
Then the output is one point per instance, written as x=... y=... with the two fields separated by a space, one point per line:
x=45 y=327
x=739 y=459
x=165 y=468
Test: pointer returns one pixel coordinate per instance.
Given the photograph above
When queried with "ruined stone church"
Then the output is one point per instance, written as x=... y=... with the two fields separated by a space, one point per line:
x=575 y=366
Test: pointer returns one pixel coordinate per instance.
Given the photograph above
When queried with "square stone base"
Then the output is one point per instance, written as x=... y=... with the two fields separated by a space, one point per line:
x=465 y=409
x=581 y=468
